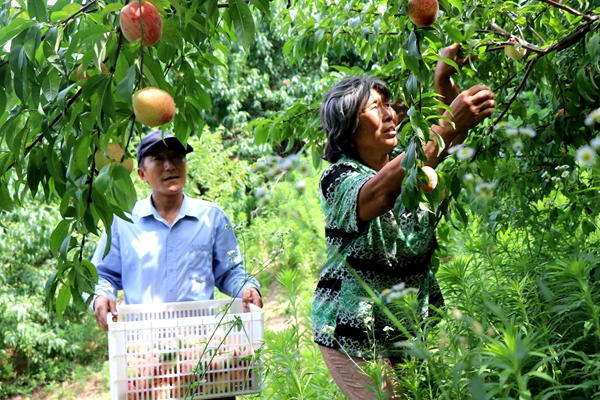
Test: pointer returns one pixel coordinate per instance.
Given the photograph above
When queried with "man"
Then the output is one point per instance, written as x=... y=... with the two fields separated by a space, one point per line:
x=176 y=248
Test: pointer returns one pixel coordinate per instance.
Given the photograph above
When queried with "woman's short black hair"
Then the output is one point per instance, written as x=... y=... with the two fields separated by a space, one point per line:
x=340 y=110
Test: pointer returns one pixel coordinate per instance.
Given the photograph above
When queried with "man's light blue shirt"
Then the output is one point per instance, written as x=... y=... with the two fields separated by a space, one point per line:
x=153 y=262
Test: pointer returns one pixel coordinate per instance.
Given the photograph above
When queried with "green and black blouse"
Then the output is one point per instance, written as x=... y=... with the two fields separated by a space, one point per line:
x=383 y=253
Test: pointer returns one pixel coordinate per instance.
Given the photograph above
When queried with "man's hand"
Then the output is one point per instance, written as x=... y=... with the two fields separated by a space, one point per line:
x=251 y=296
x=103 y=305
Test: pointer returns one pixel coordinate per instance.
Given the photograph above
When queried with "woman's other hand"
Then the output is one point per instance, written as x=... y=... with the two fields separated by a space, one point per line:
x=444 y=70
x=471 y=107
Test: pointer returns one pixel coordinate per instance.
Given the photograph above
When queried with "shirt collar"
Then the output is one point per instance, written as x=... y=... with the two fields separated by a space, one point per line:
x=144 y=208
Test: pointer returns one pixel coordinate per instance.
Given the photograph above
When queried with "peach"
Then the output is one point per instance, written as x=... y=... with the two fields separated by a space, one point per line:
x=80 y=73
x=433 y=179
x=423 y=13
x=153 y=106
x=128 y=164
x=115 y=153
x=151 y=22
x=511 y=51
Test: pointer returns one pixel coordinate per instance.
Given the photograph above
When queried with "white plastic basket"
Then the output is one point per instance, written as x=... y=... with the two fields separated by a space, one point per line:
x=187 y=350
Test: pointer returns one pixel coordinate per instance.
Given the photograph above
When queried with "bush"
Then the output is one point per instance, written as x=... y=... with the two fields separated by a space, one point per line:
x=35 y=347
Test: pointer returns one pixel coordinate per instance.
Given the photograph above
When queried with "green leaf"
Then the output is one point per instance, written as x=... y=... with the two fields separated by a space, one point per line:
x=262 y=5
x=125 y=87
x=243 y=22
x=476 y=387
x=3 y=100
x=34 y=170
x=18 y=61
x=172 y=34
x=454 y=33
x=154 y=73
x=583 y=84
x=592 y=45
x=62 y=300
x=457 y=4
x=6 y=202
x=88 y=34
x=58 y=236
x=17 y=26
x=32 y=41
x=37 y=10
x=51 y=85
x=82 y=154
x=122 y=187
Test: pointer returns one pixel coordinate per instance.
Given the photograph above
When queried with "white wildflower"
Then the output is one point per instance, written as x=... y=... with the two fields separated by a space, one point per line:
x=517 y=145
x=595 y=143
x=469 y=178
x=300 y=186
x=274 y=170
x=585 y=156
x=454 y=149
x=527 y=132
x=592 y=117
x=485 y=187
x=544 y=173
x=465 y=152
x=304 y=169
x=564 y=174
x=285 y=164
x=328 y=330
x=388 y=329
x=368 y=320
x=510 y=132
x=273 y=160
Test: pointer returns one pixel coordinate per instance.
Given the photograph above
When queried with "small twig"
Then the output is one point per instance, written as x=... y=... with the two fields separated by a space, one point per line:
x=505 y=83
x=501 y=32
x=567 y=9
x=76 y=13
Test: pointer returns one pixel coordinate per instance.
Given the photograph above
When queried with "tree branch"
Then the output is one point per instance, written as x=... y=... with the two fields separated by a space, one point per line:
x=568 y=41
x=567 y=9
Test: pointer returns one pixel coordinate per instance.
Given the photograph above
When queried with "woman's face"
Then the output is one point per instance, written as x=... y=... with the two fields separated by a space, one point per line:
x=376 y=134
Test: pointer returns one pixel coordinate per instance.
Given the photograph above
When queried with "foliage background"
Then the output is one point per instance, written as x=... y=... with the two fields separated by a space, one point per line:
x=518 y=229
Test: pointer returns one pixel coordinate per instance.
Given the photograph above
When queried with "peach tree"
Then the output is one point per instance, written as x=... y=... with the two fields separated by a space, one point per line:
x=540 y=57
x=55 y=120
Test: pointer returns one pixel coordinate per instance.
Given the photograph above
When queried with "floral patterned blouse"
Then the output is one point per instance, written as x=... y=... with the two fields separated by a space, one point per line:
x=384 y=253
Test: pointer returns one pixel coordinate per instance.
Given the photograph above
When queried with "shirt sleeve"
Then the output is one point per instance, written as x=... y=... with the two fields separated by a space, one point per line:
x=230 y=274
x=109 y=267
x=340 y=186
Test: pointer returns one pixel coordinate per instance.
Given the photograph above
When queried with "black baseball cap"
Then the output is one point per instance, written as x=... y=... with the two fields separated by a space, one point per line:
x=156 y=141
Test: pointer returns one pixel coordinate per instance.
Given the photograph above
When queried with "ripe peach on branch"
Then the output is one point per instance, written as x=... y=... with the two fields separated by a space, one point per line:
x=153 y=106
x=433 y=179
x=84 y=74
x=423 y=13
x=150 y=22
x=512 y=52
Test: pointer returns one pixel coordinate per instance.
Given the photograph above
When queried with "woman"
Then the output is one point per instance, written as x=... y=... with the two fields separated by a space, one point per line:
x=364 y=240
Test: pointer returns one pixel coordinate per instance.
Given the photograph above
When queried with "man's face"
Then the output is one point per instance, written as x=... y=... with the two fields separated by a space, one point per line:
x=164 y=171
